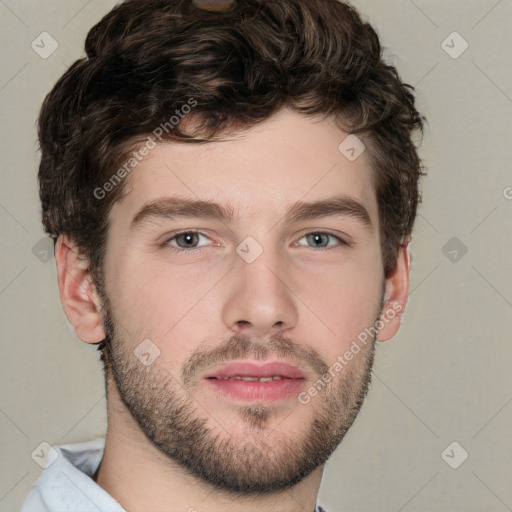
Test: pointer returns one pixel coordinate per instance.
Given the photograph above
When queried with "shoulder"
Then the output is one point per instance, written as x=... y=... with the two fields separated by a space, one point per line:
x=66 y=483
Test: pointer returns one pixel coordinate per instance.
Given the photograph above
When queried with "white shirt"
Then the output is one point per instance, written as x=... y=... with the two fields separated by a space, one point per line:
x=66 y=484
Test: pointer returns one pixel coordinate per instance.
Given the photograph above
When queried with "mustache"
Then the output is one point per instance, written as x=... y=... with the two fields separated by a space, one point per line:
x=242 y=347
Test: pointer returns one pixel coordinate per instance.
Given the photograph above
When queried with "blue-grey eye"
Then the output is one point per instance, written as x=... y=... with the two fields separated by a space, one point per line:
x=320 y=240
x=186 y=240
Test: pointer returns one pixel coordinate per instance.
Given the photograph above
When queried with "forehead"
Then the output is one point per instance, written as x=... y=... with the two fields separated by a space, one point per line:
x=257 y=172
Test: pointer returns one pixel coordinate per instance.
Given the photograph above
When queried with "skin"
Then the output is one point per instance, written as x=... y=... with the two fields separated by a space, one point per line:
x=190 y=302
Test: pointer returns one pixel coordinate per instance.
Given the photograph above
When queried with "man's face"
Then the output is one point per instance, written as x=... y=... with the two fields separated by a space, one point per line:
x=262 y=294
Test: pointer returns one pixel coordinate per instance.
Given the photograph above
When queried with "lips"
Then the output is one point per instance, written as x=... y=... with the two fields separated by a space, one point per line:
x=257 y=381
x=256 y=371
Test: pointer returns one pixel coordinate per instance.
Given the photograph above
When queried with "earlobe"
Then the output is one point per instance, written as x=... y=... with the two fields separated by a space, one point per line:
x=396 y=295
x=77 y=292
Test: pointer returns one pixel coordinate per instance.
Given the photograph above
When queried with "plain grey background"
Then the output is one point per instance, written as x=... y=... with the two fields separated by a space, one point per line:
x=444 y=379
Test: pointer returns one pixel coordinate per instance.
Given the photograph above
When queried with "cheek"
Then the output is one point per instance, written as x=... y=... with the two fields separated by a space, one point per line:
x=137 y=294
x=160 y=301
x=345 y=302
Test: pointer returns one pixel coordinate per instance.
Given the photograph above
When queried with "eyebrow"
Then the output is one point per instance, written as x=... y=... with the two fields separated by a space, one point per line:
x=179 y=207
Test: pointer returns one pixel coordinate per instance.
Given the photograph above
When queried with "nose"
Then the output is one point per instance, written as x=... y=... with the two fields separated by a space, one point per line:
x=260 y=299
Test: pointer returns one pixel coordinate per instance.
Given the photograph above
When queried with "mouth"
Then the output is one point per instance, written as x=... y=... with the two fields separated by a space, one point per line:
x=257 y=381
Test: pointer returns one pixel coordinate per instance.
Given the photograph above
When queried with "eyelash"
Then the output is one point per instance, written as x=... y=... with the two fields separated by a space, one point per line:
x=167 y=241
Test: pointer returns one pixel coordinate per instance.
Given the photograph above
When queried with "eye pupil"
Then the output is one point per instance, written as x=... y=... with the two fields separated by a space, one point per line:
x=318 y=238
x=189 y=238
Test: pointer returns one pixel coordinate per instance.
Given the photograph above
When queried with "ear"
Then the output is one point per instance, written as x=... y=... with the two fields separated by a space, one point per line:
x=396 y=295
x=77 y=292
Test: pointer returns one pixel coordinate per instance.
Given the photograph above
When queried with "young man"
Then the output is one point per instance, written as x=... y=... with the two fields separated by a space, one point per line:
x=232 y=187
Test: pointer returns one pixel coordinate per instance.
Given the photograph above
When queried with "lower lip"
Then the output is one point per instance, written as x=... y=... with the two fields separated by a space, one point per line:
x=270 y=391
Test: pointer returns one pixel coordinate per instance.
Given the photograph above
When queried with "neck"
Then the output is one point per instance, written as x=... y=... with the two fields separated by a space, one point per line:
x=137 y=475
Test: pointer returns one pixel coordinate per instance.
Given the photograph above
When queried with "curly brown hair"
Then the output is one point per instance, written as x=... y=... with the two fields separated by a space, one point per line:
x=148 y=58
